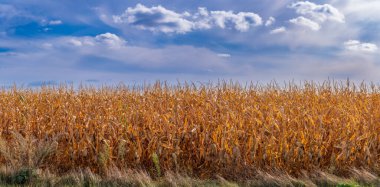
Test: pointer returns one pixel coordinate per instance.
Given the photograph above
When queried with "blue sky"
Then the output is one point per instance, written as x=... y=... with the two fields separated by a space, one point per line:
x=136 y=41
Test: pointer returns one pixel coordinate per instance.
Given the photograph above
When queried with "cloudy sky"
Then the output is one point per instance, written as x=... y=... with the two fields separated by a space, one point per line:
x=176 y=40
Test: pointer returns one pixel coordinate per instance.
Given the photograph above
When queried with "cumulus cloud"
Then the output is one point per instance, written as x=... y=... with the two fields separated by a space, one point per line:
x=270 y=21
x=160 y=19
x=357 y=46
x=278 y=30
x=110 y=40
x=241 y=21
x=319 y=13
x=314 y=15
x=107 y=40
x=202 y=19
x=156 y=18
x=302 y=21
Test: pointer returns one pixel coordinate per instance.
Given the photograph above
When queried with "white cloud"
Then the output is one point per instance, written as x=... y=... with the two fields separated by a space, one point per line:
x=202 y=11
x=224 y=55
x=328 y=34
x=302 y=21
x=320 y=13
x=156 y=18
x=355 y=45
x=55 y=22
x=270 y=21
x=202 y=19
x=160 y=19
x=129 y=63
x=314 y=15
x=241 y=21
x=110 y=40
x=278 y=30
x=106 y=40
x=98 y=61
x=359 y=10
x=75 y=42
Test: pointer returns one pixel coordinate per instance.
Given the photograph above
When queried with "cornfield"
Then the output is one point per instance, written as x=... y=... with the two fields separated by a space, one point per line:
x=227 y=129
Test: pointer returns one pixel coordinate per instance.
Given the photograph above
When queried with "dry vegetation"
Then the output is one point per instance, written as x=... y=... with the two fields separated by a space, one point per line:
x=228 y=130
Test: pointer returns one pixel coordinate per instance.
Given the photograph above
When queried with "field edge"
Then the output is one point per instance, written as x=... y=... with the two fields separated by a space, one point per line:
x=117 y=177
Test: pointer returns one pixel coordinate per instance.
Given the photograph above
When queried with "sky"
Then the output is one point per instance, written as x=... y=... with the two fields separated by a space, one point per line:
x=107 y=42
